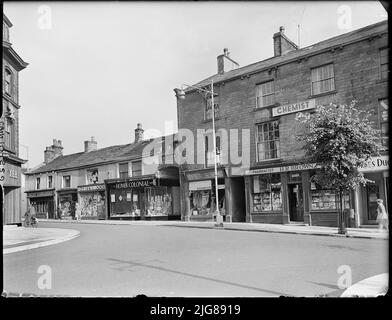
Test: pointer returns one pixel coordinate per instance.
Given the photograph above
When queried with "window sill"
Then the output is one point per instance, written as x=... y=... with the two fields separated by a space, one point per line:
x=276 y=104
x=267 y=212
x=382 y=81
x=210 y=120
x=323 y=94
x=273 y=160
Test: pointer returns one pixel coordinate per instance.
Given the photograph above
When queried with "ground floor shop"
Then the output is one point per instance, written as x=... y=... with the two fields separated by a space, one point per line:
x=91 y=202
x=43 y=202
x=285 y=194
x=66 y=200
x=199 y=195
x=153 y=197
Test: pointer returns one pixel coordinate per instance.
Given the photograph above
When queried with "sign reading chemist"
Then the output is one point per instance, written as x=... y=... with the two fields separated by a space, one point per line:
x=295 y=107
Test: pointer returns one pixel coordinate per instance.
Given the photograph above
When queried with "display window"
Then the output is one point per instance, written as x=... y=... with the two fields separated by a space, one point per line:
x=126 y=202
x=90 y=204
x=200 y=201
x=327 y=200
x=267 y=193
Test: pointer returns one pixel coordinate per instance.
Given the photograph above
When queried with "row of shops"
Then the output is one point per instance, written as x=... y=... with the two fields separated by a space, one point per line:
x=150 y=197
x=283 y=194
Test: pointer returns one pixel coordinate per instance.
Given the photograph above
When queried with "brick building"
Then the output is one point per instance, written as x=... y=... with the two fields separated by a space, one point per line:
x=116 y=182
x=10 y=163
x=264 y=98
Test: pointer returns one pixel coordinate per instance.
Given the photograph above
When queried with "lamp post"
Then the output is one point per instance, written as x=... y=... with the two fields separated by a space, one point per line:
x=181 y=95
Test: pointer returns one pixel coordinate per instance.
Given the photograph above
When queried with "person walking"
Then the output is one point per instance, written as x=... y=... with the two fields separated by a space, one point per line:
x=382 y=216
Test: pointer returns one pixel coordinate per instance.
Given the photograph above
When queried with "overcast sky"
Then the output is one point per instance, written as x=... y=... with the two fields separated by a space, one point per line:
x=103 y=67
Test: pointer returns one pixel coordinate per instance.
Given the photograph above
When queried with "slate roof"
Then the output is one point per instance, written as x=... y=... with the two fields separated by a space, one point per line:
x=295 y=54
x=100 y=156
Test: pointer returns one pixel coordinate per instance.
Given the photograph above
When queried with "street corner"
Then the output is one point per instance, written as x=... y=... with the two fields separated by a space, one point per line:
x=21 y=238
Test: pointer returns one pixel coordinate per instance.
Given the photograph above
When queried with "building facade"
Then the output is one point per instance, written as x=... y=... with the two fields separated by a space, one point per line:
x=118 y=182
x=10 y=163
x=261 y=101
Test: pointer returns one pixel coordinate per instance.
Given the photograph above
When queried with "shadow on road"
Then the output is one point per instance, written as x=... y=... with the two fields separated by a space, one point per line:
x=187 y=274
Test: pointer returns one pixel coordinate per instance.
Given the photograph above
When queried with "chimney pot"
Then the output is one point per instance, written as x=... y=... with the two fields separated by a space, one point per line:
x=281 y=29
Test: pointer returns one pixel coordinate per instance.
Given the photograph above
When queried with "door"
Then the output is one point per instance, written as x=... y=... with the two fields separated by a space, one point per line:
x=372 y=194
x=296 y=203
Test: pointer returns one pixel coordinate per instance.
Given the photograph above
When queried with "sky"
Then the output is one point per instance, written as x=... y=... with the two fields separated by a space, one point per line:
x=99 y=68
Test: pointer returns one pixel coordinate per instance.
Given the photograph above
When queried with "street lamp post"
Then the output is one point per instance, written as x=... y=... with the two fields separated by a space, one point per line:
x=181 y=95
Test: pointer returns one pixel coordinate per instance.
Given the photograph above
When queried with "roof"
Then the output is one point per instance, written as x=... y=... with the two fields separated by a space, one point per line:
x=105 y=155
x=346 y=38
x=7 y=21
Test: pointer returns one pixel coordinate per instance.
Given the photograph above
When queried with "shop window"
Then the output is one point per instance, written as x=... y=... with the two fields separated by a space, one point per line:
x=50 y=182
x=384 y=63
x=383 y=116
x=200 y=201
x=38 y=183
x=92 y=176
x=208 y=109
x=323 y=79
x=159 y=201
x=136 y=168
x=66 y=181
x=265 y=94
x=40 y=206
x=267 y=193
x=8 y=81
x=123 y=170
x=325 y=199
x=268 y=144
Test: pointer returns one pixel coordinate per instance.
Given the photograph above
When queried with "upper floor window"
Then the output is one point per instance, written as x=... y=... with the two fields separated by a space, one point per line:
x=50 y=182
x=92 y=176
x=6 y=34
x=136 y=168
x=265 y=94
x=268 y=144
x=384 y=63
x=38 y=183
x=383 y=111
x=123 y=170
x=209 y=153
x=208 y=110
x=66 y=181
x=8 y=81
x=323 y=79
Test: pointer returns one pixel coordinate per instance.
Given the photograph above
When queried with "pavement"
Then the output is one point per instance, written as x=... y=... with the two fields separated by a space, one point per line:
x=17 y=239
x=370 y=287
x=364 y=233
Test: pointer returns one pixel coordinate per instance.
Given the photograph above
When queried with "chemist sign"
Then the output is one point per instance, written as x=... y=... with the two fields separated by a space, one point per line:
x=295 y=107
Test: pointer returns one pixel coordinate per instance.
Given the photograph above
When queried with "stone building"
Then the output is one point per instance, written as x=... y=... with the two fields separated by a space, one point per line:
x=10 y=163
x=116 y=182
x=261 y=101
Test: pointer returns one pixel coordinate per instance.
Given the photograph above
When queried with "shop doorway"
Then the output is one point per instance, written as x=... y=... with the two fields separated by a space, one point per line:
x=296 y=203
x=372 y=194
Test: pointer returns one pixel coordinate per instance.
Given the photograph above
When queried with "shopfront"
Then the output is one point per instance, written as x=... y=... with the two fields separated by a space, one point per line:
x=43 y=202
x=285 y=194
x=144 y=198
x=67 y=200
x=92 y=201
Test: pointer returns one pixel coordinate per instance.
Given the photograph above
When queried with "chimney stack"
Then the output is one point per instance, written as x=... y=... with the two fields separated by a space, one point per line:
x=282 y=44
x=53 y=151
x=90 y=145
x=139 y=133
x=225 y=63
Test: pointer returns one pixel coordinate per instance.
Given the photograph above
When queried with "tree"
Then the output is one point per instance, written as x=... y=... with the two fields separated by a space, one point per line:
x=339 y=139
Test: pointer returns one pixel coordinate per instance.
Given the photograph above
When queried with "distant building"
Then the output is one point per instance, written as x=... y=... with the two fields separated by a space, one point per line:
x=264 y=98
x=10 y=163
x=115 y=182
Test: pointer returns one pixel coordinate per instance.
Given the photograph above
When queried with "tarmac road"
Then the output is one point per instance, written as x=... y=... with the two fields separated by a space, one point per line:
x=127 y=260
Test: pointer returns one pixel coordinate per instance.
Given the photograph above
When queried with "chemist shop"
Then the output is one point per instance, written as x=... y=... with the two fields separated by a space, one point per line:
x=285 y=194
x=92 y=201
x=152 y=197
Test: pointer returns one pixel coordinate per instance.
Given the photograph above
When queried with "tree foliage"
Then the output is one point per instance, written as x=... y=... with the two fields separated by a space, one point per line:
x=339 y=138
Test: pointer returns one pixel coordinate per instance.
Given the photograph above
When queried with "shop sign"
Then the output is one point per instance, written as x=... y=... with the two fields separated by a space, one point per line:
x=135 y=184
x=9 y=174
x=295 y=107
x=40 y=194
x=295 y=167
x=376 y=164
x=200 y=185
x=89 y=188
